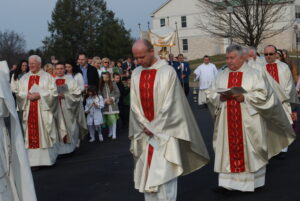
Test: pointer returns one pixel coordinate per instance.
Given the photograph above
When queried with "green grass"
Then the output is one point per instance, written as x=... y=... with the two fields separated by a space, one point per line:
x=218 y=60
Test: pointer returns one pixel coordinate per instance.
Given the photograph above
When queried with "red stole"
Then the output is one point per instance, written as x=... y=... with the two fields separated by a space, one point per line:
x=60 y=82
x=147 y=100
x=33 y=121
x=235 y=127
x=273 y=71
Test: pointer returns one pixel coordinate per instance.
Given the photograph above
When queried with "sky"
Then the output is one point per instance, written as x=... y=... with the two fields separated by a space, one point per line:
x=30 y=17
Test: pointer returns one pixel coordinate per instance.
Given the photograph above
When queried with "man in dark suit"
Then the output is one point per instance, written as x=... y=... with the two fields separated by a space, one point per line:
x=89 y=73
x=183 y=72
x=172 y=62
x=128 y=65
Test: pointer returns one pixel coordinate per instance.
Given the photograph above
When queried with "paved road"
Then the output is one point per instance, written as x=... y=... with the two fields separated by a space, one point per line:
x=103 y=172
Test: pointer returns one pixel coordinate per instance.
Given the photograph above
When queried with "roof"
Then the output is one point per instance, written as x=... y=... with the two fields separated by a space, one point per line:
x=163 y=5
x=238 y=2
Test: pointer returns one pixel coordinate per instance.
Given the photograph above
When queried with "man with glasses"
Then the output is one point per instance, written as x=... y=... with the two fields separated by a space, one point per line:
x=250 y=125
x=281 y=80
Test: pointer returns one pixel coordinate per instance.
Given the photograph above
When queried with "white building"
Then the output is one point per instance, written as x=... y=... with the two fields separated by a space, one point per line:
x=194 y=43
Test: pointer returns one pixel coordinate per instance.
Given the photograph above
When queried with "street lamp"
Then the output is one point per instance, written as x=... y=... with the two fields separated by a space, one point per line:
x=230 y=10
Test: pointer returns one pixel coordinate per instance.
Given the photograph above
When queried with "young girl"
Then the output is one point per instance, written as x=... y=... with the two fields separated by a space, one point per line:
x=94 y=104
x=111 y=95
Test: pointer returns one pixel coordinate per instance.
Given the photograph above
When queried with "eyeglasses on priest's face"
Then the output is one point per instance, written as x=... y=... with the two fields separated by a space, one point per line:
x=269 y=54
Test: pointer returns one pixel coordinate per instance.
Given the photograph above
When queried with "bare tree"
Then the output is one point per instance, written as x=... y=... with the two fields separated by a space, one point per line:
x=249 y=23
x=12 y=46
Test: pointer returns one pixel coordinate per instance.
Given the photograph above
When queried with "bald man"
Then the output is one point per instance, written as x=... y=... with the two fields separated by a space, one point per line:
x=165 y=139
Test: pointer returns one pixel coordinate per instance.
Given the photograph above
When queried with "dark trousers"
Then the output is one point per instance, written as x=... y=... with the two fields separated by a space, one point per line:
x=186 y=87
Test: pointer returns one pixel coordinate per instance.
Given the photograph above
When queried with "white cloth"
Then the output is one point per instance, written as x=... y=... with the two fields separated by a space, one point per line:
x=178 y=145
x=79 y=79
x=47 y=152
x=94 y=116
x=265 y=128
x=206 y=74
x=202 y=97
x=166 y=192
x=246 y=182
x=16 y=182
x=113 y=130
x=66 y=116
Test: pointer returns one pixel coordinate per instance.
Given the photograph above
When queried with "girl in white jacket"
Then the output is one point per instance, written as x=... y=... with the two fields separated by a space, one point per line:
x=94 y=104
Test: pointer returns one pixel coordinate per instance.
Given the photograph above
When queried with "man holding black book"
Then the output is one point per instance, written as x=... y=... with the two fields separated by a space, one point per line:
x=251 y=125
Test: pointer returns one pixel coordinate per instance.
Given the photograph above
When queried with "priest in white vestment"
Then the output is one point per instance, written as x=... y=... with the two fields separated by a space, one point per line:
x=16 y=182
x=250 y=128
x=36 y=98
x=68 y=110
x=280 y=77
x=165 y=139
x=205 y=74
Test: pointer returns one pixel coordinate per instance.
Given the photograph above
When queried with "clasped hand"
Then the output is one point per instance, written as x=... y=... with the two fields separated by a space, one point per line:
x=109 y=101
x=33 y=96
x=148 y=132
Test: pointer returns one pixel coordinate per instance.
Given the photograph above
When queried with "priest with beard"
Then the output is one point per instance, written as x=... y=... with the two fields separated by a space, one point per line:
x=16 y=183
x=36 y=98
x=70 y=115
x=250 y=124
x=165 y=139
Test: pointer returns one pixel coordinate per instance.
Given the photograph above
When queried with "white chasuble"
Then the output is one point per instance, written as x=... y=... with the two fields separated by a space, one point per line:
x=38 y=122
x=247 y=134
x=16 y=182
x=158 y=103
x=280 y=78
x=67 y=115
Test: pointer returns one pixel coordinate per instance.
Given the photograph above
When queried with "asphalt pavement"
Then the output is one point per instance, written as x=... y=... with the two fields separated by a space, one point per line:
x=104 y=172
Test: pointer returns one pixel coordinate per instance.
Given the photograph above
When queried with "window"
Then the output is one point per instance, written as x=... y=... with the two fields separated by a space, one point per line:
x=297 y=12
x=183 y=22
x=162 y=22
x=298 y=40
x=185 y=45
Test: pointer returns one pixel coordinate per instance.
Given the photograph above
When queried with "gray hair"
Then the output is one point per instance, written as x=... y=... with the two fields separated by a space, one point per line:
x=235 y=48
x=36 y=57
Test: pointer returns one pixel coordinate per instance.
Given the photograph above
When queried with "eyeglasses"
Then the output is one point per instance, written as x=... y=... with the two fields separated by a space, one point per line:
x=269 y=54
x=106 y=62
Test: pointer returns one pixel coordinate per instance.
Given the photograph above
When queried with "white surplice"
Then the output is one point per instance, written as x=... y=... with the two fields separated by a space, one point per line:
x=178 y=145
x=16 y=183
x=265 y=129
x=285 y=89
x=68 y=110
x=47 y=152
x=205 y=74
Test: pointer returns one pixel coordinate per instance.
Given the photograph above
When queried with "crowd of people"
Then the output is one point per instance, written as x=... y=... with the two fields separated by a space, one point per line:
x=89 y=95
x=252 y=99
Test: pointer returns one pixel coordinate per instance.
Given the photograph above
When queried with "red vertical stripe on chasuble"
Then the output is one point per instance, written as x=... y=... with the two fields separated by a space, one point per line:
x=33 y=122
x=273 y=71
x=235 y=127
x=60 y=82
x=147 y=99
